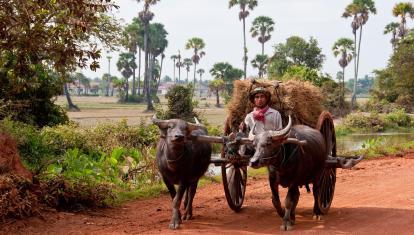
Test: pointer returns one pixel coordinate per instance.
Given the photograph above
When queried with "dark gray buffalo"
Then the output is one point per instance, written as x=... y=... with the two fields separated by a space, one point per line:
x=295 y=156
x=181 y=161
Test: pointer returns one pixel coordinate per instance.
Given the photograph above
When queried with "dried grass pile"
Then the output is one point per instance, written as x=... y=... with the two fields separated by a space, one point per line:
x=301 y=100
x=17 y=197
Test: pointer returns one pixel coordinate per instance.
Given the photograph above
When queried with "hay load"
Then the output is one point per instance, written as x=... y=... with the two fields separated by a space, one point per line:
x=301 y=100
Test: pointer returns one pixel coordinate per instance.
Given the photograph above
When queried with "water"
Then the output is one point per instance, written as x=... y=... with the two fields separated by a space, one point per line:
x=354 y=141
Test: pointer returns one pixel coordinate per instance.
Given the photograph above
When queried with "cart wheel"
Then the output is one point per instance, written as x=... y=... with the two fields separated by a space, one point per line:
x=326 y=186
x=234 y=183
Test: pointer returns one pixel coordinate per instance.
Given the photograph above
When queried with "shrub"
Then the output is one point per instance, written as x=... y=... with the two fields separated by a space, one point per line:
x=107 y=136
x=372 y=122
x=180 y=104
x=62 y=137
x=32 y=150
x=399 y=117
x=215 y=131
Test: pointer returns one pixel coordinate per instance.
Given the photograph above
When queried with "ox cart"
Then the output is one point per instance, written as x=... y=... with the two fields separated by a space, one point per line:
x=234 y=165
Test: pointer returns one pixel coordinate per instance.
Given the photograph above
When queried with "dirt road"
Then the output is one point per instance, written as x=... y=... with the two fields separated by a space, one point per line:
x=377 y=197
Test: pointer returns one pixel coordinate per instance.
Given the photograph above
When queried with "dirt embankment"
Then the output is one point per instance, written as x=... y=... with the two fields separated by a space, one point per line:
x=377 y=197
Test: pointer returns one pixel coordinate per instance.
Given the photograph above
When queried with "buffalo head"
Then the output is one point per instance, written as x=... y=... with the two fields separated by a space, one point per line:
x=176 y=131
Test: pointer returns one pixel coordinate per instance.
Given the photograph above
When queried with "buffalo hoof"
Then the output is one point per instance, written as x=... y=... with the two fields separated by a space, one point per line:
x=317 y=217
x=288 y=226
x=187 y=216
x=175 y=223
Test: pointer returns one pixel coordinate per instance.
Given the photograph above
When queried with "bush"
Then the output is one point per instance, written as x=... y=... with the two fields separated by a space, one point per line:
x=215 y=131
x=107 y=136
x=32 y=149
x=399 y=118
x=180 y=104
x=372 y=122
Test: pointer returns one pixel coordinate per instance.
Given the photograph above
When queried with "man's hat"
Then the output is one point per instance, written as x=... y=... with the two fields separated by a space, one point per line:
x=259 y=90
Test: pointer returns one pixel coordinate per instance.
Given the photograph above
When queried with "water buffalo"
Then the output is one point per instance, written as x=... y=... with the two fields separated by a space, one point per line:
x=295 y=156
x=181 y=161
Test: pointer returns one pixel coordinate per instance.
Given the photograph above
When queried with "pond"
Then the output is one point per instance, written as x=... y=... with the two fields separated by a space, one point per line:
x=354 y=141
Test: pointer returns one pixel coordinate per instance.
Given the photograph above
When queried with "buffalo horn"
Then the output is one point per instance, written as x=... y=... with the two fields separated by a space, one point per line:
x=345 y=163
x=295 y=141
x=282 y=133
x=162 y=124
x=251 y=133
x=196 y=120
x=208 y=139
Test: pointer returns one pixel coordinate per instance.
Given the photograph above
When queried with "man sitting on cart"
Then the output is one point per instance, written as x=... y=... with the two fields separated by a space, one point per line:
x=264 y=117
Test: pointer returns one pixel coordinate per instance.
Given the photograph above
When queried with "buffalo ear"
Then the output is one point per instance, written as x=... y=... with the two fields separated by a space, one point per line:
x=162 y=124
x=192 y=127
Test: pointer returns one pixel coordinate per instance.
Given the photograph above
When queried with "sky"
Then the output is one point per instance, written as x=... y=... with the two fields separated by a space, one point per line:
x=221 y=30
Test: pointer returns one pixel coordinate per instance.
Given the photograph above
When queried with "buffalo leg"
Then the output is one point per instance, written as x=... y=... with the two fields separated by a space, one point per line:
x=185 y=198
x=191 y=191
x=291 y=202
x=274 y=187
x=170 y=187
x=176 y=216
x=316 y=212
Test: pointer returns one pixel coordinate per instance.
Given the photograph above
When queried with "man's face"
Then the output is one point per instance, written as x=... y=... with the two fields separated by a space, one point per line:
x=260 y=100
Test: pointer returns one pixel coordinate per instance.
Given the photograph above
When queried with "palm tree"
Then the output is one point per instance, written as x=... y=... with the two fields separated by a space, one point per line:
x=401 y=10
x=146 y=16
x=157 y=44
x=244 y=5
x=174 y=58
x=359 y=10
x=262 y=26
x=197 y=44
x=217 y=85
x=131 y=40
x=200 y=72
x=126 y=65
x=187 y=64
x=392 y=28
x=260 y=62
x=343 y=47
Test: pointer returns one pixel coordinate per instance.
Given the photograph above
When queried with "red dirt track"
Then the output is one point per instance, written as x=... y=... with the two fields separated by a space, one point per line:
x=377 y=197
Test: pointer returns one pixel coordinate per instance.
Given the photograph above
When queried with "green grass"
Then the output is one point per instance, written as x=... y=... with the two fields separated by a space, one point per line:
x=378 y=149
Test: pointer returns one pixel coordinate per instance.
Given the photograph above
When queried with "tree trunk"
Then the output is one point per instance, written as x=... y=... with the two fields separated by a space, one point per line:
x=133 y=77
x=71 y=105
x=126 y=89
x=354 y=98
x=217 y=98
x=194 y=85
x=342 y=101
x=150 y=107
x=174 y=79
x=200 y=83
x=139 y=72
x=179 y=74
x=262 y=48
x=355 y=74
x=244 y=48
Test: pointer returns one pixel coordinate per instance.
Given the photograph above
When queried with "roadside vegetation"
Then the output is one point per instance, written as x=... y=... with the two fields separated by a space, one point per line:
x=77 y=167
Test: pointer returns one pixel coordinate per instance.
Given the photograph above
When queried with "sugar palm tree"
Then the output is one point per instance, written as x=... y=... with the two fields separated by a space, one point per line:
x=131 y=40
x=174 y=58
x=403 y=9
x=146 y=16
x=392 y=28
x=262 y=26
x=200 y=72
x=125 y=65
x=344 y=48
x=244 y=6
x=260 y=63
x=216 y=85
x=359 y=10
x=187 y=62
x=196 y=44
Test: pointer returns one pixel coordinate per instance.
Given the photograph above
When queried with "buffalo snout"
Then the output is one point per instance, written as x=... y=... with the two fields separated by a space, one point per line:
x=254 y=162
